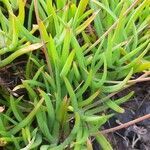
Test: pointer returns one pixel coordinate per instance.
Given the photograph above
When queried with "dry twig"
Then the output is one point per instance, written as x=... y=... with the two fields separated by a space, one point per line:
x=125 y=125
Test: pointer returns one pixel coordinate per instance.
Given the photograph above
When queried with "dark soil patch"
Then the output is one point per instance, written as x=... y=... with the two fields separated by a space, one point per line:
x=136 y=137
x=11 y=76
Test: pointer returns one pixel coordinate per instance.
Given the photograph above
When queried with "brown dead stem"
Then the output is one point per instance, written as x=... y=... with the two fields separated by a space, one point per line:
x=125 y=125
